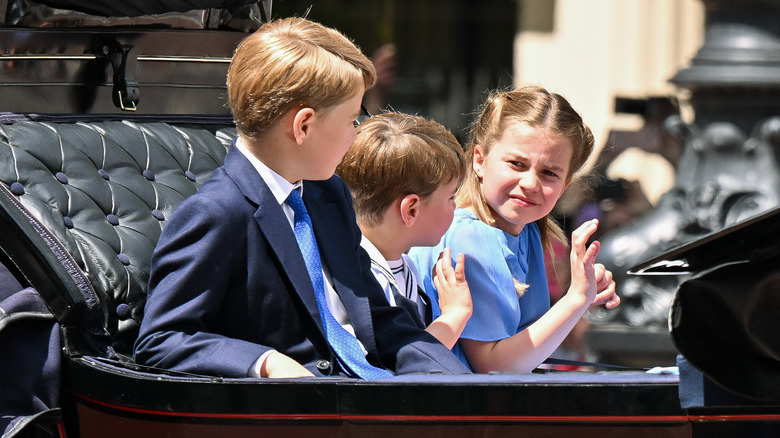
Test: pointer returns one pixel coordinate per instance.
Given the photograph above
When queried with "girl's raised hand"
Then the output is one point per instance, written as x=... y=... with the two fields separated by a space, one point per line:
x=590 y=279
x=584 y=281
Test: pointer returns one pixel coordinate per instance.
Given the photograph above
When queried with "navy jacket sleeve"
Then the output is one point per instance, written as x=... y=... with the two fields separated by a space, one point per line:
x=185 y=325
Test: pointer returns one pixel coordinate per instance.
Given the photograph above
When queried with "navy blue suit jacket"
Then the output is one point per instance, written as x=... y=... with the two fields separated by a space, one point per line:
x=228 y=283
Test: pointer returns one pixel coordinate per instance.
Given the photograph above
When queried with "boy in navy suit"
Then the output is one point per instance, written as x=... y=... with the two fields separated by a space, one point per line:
x=231 y=292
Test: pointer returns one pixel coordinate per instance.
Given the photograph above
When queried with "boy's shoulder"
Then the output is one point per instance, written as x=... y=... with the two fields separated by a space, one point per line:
x=332 y=189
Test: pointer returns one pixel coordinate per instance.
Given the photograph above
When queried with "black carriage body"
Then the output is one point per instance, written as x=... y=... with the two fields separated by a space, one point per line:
x=88 y=182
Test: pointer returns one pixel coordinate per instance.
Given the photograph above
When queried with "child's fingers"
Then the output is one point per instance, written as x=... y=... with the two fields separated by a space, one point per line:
x=587 y=262
x=442 y=270
x=605 y=287
x=436 y=271
x=603 y=276
x=608 y=297
x=445 y=263
x=580 y=236
x=593 y=252
x=613 y=302
x=460 y=268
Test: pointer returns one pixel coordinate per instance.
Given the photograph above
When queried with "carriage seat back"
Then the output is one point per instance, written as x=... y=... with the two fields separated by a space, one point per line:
x=82 y=208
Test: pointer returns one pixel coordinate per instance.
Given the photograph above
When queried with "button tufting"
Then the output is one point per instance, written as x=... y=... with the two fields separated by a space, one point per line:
x=17 y=188
x=123 y=312
x=68 y=221
x=123 y=258
x=112 y=219
x=103 y=174
x=323 y=365
x=61 y=177
x=158 y=215
x=190 y=176
x=148 y=174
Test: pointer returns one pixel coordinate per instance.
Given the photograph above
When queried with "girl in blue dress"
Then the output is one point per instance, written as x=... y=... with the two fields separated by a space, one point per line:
x=526 y=148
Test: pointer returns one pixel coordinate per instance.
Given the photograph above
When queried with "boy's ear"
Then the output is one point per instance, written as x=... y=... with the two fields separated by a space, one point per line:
x=301 y=124
x=410 y=208
x=479 y=160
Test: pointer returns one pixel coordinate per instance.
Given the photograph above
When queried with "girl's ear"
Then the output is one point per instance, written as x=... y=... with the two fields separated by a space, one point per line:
x=410 y=208
x=301 y=123
x=479 y=160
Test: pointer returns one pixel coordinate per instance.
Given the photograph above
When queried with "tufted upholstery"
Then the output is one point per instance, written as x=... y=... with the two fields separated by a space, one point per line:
x=84 y=206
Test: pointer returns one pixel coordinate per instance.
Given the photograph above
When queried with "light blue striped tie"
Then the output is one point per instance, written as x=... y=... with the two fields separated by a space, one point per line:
x=345 y=345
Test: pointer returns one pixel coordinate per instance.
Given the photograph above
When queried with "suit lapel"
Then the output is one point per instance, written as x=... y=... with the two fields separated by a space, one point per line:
x=275 y=227
x=338 y=255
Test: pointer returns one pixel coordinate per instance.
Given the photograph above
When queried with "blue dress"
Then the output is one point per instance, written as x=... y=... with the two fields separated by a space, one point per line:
x=493 y=259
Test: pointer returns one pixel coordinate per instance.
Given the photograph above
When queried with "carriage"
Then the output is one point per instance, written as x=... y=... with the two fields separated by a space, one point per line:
x=107 y=128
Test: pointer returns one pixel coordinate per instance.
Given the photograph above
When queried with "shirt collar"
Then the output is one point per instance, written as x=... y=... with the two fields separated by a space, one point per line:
x=280 y=187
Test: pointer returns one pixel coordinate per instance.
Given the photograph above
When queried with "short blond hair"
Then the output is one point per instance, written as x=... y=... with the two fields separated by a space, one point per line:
x=289 y=63
x=395 y=155
x=537 y=108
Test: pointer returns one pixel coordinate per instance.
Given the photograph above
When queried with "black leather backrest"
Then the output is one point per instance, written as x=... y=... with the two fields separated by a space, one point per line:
x=102 y=192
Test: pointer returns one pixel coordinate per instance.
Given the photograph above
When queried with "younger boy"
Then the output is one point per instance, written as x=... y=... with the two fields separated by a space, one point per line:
x=261 y=272
x=403 y=172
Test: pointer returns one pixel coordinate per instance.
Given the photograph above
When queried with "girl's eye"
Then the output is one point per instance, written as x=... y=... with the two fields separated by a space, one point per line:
x=551 y=173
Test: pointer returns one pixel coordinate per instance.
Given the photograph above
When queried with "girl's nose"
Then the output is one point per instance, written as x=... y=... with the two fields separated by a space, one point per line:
x=529 y=181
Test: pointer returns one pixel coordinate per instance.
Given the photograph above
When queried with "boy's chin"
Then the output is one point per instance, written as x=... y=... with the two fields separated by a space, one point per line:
x=430 y=242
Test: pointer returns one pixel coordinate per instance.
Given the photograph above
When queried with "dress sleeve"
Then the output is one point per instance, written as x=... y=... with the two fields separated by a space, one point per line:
x=496 y=307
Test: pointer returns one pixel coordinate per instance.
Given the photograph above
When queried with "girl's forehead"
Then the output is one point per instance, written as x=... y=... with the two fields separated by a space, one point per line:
x=523 y=135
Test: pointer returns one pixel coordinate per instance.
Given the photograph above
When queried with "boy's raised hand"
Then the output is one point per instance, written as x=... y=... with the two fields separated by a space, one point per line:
x=454 y=299
x=451 y=283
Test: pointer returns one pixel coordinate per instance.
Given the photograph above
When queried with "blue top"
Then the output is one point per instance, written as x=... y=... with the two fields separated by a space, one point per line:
x=493 y=259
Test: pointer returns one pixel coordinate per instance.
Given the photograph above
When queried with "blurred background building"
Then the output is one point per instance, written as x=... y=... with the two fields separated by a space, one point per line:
x=606 y=56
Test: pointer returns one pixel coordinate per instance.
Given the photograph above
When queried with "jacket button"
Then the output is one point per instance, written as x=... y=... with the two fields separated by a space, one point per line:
x=323 y=365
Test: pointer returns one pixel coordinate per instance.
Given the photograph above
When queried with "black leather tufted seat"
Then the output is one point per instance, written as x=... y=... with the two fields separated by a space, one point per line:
x=82 y=207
